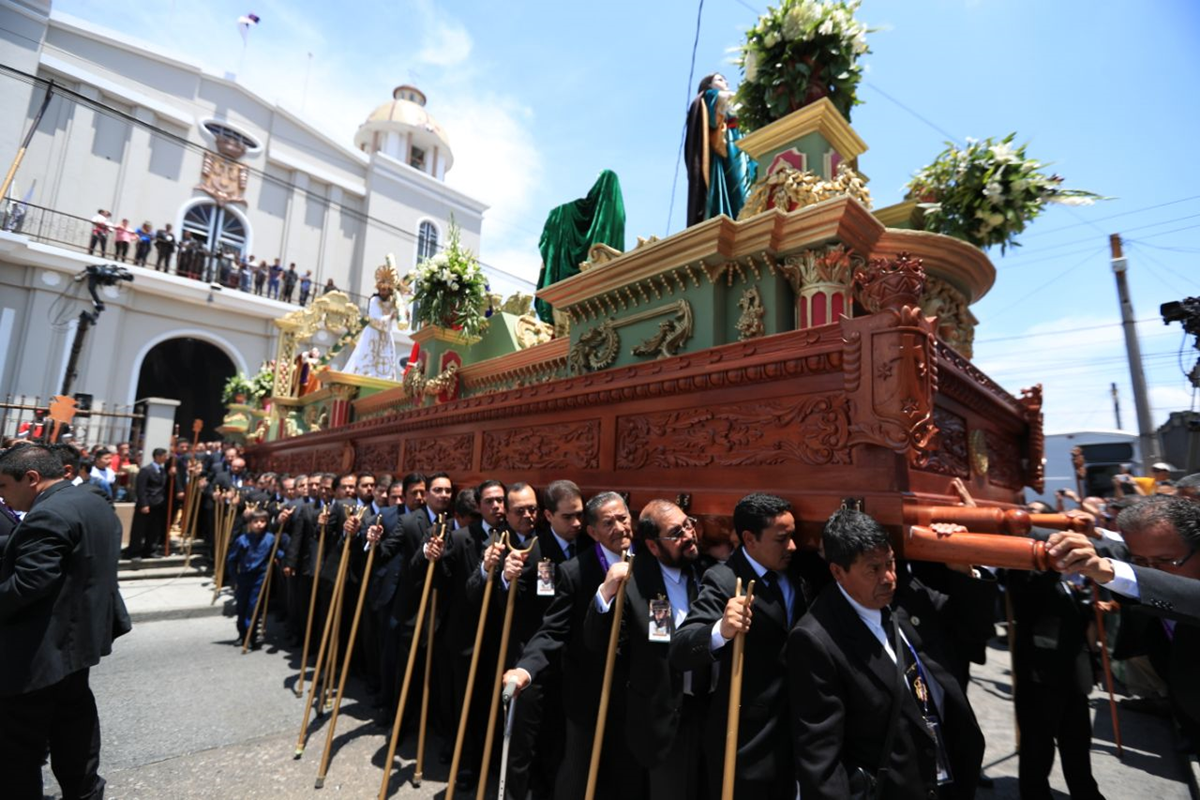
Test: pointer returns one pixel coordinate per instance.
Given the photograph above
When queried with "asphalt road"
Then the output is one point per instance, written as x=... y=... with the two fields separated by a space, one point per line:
x=185 y=715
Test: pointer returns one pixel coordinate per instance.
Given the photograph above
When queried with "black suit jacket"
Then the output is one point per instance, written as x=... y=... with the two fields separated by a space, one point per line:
x=650 y=694
x=151 y=486
x=304 y=537
x=560 y=637
x=843 y=685
x=464 y=585
x=764 y=752
x=60 y=608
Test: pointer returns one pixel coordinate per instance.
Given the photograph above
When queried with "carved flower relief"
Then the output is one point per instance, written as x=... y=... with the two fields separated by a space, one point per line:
x=439 y=452
x=571 y=446
x=813 y=431
x=955 y=322
x=948 y=449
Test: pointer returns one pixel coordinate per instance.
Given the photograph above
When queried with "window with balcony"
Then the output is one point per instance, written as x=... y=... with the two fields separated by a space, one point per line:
x=218 y=228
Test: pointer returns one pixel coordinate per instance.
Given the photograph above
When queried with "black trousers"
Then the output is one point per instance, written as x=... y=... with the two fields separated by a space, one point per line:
x=60 y=718
x=148 y=530
x=681 y=775
x=1049 y=714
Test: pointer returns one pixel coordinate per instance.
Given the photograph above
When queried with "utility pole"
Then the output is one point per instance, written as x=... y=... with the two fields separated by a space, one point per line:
x=1116 y=404
x=1147 y=437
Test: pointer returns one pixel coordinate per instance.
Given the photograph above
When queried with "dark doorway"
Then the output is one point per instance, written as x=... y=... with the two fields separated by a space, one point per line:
x=194 y=373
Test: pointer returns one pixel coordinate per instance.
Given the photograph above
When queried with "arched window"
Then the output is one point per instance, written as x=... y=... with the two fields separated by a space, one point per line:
x=427 y=241
x=218 y=228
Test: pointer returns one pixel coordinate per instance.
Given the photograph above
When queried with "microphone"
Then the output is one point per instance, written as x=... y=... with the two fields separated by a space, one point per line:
x=510 y=689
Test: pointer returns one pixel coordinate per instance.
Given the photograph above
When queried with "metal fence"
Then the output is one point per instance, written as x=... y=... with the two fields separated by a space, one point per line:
x=66 y=230
x=102 y=424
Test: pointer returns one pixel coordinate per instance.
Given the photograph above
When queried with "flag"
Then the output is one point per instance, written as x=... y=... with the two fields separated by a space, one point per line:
x=245 y=23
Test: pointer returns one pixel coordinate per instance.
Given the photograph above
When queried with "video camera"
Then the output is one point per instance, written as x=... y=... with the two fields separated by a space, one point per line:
x=101 y=275
x=1185 y=311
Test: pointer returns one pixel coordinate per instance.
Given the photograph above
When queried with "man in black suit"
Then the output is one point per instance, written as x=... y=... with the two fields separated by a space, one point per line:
x=59 y=613
x=768 y=557
x=1162 y=579
x=561 y=636
x=150 y=518
x=859 y=665
x=662 y=709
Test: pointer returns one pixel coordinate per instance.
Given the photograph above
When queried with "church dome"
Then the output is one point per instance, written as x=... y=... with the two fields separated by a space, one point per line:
x=403 y=129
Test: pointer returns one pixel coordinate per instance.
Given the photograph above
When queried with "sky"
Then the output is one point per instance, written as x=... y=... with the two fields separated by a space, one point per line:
x=539 y=97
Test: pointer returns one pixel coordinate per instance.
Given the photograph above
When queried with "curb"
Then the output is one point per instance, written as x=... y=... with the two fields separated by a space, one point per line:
x=189 y=612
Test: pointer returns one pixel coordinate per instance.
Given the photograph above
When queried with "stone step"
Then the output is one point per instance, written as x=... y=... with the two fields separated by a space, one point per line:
x=154 y=600
x=150 y=569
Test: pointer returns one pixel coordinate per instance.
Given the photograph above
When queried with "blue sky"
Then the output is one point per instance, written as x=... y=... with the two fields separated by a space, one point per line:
x=538 y=97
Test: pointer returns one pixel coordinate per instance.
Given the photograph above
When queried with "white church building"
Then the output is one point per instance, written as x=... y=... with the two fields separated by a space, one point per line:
x=153 y=138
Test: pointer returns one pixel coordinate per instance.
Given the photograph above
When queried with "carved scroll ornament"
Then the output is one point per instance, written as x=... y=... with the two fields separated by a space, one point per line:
x=598 y=348
x=750 y=323
x=574 y=445
x=1035 y=449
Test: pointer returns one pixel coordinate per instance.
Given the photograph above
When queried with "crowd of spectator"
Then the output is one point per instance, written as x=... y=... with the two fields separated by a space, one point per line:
x=193 y=259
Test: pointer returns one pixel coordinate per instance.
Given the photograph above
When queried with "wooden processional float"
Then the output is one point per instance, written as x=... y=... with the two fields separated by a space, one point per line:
x=819 y=352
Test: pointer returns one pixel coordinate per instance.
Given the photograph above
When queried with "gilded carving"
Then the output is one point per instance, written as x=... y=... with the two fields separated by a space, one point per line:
x=438 y=453
x=532 y=331
x=890 y=283
x=789 y=189
x=598 y=254
x=813 y=431
x=979 y=452
x=574 y=445
x=949 y=451
x=750 y=323
x=332 y=312
x=955 y=322
x=598 y=348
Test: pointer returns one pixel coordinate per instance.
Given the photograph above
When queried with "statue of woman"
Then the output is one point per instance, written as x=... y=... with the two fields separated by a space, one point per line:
x=719 y=174
x=375 y=354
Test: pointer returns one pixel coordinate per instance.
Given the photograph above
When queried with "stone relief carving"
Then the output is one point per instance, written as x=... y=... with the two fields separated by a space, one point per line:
x=574 y=445
x=750 y=323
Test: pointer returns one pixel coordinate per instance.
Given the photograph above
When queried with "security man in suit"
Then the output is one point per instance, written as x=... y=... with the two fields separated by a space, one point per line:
x=150 y=518
x=562 y=635
x=1161 y=579
x=871 y=703
x=60 y=610
x=663 y=709
x=768 y=557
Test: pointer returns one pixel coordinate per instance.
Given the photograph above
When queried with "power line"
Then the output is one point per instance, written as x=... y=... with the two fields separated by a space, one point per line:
x=933 y=125
x=1111 y=216
x=1056 y=278
x=683 y=135
x=1060 y=332
x=1153 y=260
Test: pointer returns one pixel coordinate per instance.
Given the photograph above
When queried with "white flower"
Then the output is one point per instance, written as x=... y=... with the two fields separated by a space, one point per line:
x=771 y=39
x=750 y=66
x=994 y=191
x=860 y=43
x=1070 y=200
x=826 y=27
x=1004 y=152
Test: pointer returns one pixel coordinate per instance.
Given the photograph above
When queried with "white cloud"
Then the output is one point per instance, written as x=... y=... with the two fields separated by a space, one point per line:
x=445 y=42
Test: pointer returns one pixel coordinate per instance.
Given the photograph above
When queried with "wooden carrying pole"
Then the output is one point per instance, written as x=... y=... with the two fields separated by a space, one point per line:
x=16 y=162
x=312 y=608
x=262 y=593
x=737 y=664
x=335 y=638
x=419 y=769
x=610 y=661
x=322 y=650
x=337 y=704
x=463 y=716
x=1008 y=552
x=493 y=708
x=171 y=470
x=439 y=532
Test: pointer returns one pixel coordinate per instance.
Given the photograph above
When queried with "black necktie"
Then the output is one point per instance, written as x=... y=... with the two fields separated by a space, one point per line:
x=570 y=550
x=885 y=619
x=693 y=590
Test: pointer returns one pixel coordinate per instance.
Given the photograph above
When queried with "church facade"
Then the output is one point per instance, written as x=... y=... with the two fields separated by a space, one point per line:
x=152 y=138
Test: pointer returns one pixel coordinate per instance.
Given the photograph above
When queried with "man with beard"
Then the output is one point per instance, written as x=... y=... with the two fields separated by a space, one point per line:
x=582 y=581
x=662 y=709
x=767 y=556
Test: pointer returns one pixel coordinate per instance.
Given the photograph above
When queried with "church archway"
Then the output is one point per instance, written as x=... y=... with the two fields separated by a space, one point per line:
x=193 y=372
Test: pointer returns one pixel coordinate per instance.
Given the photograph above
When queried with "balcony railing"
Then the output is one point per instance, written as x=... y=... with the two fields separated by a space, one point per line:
x=102 y=424
x=75 y=233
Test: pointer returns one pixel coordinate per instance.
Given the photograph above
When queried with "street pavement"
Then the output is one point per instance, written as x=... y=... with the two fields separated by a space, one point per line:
x=185 y=715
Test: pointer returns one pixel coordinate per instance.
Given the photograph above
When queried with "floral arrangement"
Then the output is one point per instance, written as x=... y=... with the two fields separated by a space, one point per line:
x=263 y=383
x=799 y=52
x=987 y=192
x=451 y=290
x=237 y=385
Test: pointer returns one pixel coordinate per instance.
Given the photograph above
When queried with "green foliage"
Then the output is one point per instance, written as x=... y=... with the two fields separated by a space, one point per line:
x=263 y=382
x=798 y=52
x=987 y=192
x=451 y=290
x=237 y=384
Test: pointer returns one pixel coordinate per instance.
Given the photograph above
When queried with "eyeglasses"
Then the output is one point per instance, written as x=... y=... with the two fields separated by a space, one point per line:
x=677 y=533
x=1161 y=563
x=524 y=511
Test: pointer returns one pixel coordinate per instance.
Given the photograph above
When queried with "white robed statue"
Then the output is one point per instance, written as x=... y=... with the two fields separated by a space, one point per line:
x=375 y=354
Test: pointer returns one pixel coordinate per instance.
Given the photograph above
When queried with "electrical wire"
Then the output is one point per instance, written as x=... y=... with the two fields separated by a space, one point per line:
x=683 y=134
x=1060 y=332
x=1053 y=280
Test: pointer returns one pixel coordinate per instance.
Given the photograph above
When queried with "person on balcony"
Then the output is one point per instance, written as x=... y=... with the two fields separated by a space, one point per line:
x=289 y=282
x=145 y=235
x=273 y=281
x=100 y=226
x=305 y=287
x=124 y=235
x=164 y=242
